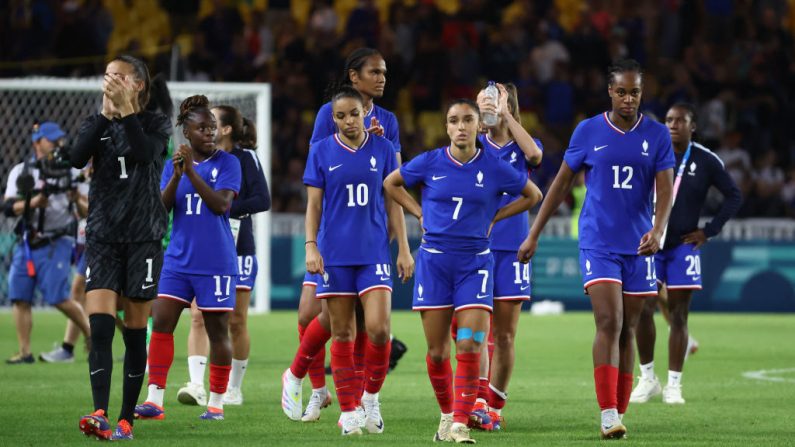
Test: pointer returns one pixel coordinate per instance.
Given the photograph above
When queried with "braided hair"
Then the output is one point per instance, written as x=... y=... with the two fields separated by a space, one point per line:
x=190 y=106
x=623 y=66
x=355 y=61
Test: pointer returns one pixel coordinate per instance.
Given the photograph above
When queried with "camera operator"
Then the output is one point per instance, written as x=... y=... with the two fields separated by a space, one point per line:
x=41 y=192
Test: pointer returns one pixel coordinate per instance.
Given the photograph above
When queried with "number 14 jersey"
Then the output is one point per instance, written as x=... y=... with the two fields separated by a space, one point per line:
x=620 y=167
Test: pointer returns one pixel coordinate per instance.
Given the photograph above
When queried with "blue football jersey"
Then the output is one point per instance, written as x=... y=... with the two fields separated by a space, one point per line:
x=201 y=241
x=620 y=168
x=325 y=127
x=459 y=200
x=508 y=234
x=353 y=226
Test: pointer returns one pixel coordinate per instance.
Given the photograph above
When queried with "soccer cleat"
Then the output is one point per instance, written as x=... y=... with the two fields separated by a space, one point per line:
x=318 y=401
x=212 y=414
x=57 y=355
x=351 y=425
x=616 y=430
x=292 y=399
x=373 y=422
x=672 y=394
x=398 y=350
x=233 y=396
x=192 y=394
x=149 y=410
x=96 y=424
x=443 y=432
x=18 y=359
x=123 y=432
x=459 y=433
x=496 y=420
x=479 y=418
x=645 y=390
x=692 y=347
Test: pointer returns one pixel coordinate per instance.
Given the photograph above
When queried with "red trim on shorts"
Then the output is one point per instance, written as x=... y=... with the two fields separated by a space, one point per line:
x=639 y=293
x=322 y=296
x=378 y=287
x=242 y=288
x=600 y=280
x=421 y=308
x=309 y=284
x=513 y=298
x=474 y=306
x=173 y=298
x=216 y=309
x=690 y=287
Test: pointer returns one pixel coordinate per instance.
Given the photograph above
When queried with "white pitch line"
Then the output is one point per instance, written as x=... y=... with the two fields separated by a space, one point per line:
x=764 y=374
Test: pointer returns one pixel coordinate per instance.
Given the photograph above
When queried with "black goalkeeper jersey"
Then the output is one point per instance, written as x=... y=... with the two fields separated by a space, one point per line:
x=124 y=199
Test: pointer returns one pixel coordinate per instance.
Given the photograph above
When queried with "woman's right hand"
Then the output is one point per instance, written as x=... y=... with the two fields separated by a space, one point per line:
x=527 y=250
x=314 y=261
x=108 y=109
x=185 y=153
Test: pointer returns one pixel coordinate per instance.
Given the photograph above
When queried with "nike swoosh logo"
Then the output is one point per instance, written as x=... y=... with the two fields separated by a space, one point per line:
x=222 y=300
x=331 y=168
x=384 y=278
x=133 y=376
x=652 y=284
x=244 y=278
x=434 y=178
x=524 y=288
x=599 y=148
x=480 y=297
x=380 y=425
x=94 y=372
x=148 y=287
x=104 y=138
x=696 y=278
x=467 y=395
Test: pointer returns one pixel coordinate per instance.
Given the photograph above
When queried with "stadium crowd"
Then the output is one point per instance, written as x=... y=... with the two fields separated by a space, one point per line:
x=734 y=59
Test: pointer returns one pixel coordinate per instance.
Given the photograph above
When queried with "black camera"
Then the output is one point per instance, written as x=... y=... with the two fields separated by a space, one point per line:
x=55 y=171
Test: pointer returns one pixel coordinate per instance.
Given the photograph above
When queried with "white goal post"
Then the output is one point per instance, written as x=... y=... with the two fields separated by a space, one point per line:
x=68 y=101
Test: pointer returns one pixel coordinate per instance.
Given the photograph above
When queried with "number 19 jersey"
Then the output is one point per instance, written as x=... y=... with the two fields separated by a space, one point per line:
x=353 y=226
x=459 y=200
x=620 y=169
x=201 y=241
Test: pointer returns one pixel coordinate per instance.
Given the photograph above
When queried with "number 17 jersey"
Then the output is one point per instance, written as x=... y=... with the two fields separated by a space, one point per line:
x=620 y=168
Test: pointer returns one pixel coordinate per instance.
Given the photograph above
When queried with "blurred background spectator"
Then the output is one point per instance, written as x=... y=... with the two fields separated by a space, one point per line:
x=734 y=59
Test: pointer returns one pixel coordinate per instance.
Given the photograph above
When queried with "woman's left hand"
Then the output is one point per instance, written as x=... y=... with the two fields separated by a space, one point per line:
x=405 y=266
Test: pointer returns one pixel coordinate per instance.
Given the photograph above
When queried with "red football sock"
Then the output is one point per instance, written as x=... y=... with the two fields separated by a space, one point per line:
x=441 y=375
x=624 y=390
x=466 y=385
x=454 y=328
x=359 y=348
x=344 y=376
x=313 y=340
x=496 y=400
x=161 y=354
x=483 y=388
x=606 y=380
x=219 y=377
x=301 y=330
x=317 y=369
x=376 y=359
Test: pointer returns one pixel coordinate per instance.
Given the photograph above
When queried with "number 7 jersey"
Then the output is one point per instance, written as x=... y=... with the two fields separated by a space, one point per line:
x=620 y=168
x=201 y=241
x=353 y=223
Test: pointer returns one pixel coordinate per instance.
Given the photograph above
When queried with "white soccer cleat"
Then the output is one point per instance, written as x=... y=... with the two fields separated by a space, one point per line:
x=645 y=390
x=291 y=395
x=192 y=394
x=373 y=422
x=673 y=395
x=459 y=433
x=443 y=433
x=350 y=423
x=692 y=347
x=318 y=401
x=233 y=396
x=612 y=426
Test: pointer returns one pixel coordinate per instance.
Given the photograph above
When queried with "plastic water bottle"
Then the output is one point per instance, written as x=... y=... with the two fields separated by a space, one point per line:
x=491 y=93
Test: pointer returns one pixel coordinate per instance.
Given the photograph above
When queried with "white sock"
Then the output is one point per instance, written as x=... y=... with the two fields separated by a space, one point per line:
x=647 y=371
x=674 y=378
x=370 y=397
x=322 y=390
x=155 y=395
x=216 y=401
x=237 y=373
x=196 y=366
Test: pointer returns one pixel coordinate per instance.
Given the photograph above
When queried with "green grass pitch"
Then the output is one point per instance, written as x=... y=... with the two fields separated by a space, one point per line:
x=552 y=399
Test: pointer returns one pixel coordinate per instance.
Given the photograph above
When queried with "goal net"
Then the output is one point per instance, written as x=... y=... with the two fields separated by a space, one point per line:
x=68 y=101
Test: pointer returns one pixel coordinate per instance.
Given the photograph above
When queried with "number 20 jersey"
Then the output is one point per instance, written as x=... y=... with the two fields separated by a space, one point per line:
x=201 y=241
x=353 y=226
x=620 y=168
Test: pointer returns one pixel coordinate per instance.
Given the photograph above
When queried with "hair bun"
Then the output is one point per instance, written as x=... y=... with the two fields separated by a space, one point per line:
x=189 y=104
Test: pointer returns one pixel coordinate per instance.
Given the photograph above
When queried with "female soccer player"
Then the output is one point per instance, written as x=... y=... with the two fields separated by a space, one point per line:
x=623 y=156
x=126 y=221
x=344 y=177
x=678 y=264
x=253 y=198
x=509 y=141
x=463 y=187
x=365 y=71
x=200 y=263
